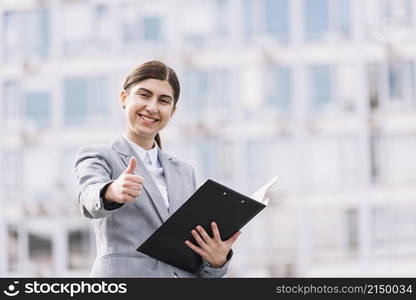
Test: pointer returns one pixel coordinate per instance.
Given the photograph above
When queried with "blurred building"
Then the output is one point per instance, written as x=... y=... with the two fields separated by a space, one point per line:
x=318 y=92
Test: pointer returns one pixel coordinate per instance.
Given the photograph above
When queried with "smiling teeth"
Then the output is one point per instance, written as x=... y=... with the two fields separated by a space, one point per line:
x=148 y=119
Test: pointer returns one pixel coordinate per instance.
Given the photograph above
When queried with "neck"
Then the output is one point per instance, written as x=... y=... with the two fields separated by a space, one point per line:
x=146 y=143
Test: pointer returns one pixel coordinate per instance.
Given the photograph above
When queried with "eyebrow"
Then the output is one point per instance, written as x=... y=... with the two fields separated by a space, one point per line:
x=146 y=90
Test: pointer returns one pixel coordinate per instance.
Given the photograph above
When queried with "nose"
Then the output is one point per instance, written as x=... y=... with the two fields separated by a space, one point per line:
x=151 y=106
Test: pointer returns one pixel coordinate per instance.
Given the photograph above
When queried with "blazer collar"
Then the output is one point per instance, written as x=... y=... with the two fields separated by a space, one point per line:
x=122 y=146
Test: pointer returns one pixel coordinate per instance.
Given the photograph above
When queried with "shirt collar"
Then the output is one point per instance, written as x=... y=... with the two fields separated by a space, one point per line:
x=141 y=152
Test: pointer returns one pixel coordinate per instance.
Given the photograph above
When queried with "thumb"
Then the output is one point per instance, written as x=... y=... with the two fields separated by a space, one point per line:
x=234 y=237
x=131 y=167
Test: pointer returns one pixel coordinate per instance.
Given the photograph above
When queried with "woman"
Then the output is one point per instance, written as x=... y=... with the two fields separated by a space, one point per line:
x=130 y=186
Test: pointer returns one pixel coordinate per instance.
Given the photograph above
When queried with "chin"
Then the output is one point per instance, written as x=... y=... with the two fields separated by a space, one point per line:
x=145 y=133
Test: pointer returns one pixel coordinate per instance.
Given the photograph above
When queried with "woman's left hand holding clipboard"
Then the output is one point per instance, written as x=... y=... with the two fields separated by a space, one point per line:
x=212 y=249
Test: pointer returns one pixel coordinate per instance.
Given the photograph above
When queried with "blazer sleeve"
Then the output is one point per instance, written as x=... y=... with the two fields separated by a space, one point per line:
x=93 y=174
x=207 y=271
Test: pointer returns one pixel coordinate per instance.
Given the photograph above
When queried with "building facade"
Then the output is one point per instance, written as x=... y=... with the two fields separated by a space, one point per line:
x=320 y=93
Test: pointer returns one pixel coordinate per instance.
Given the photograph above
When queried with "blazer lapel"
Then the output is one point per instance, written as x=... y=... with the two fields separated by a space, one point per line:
x=172 y=181
x=122 y=146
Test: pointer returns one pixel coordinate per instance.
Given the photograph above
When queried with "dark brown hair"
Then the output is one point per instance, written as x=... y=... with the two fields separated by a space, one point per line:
x=157 y=70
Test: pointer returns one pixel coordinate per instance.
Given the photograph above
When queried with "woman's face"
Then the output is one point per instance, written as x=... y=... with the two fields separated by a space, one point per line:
x=149 y=106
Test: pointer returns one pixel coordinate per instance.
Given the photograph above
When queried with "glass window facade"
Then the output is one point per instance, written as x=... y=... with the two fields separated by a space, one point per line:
x=196 y=89
x=37 y=33
x=401 y=81
x=11 y=100
x=320 y=87
x=223 y=12
x=12 y=35
x=279 y=88
x=325 y=19
x=91 y=31
x=152 y=29
x=208 y=91
x=75 y=101
x=37 y=108
x=249 y=20
x=85 y=100
x=277 y=19
x=342 y=17
x=316 y=14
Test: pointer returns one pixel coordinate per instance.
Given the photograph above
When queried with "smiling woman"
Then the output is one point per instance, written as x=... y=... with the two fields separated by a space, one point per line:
x=127 y=185
x=149 y=106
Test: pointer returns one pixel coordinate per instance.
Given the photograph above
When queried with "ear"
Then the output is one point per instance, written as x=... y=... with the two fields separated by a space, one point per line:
x=123 y=98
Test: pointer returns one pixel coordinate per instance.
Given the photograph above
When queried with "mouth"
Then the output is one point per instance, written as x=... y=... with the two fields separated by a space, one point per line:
x=147 y=119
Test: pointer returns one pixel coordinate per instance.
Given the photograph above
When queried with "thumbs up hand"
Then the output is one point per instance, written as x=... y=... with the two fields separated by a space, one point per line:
x=127 y=187
x=131 y=167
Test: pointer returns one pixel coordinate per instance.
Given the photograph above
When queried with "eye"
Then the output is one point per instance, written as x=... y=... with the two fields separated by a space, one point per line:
x=165 y=101
x=144 y=95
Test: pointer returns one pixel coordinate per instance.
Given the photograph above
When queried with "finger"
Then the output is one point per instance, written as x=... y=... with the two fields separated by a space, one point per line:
x=198 y=239
x=132 y=166
x=131 y=193
x=216 y=232
x=128 y=198
x=204 y=234
x=233 y=238
x=133 y=178
x=195 y=248
x=134 y=193
x=133 y=186
x=137 y=179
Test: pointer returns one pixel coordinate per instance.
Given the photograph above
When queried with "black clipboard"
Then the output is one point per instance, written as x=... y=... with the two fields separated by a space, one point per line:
x=211 y=202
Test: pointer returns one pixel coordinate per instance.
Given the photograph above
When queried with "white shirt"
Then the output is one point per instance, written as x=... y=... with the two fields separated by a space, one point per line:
x=152 y=164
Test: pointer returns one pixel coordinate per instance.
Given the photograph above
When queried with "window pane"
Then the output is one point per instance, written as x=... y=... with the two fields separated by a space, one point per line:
x=98 y=96
x=277 y=19
x=279 y=89
x=12 y=166
x=248 y=17
x=77 y=28
x=40 y=172
x=11 y=100
x=37 y=108
x=395 y=81
x=397 y=160
x=397 y=12
x=223 y=17
x=13 y=34
x=198 y=23
x=342 y=17
x=401 y=84
x=75 y=98
x=151 y=29
x=102 y=27
x=319 y=86
x=37 y=33
x=221 y=89
x=130 y=25
x=316 y=19
x=323 y=163
x=196 y=91
x=79 y=249
x=205 y=150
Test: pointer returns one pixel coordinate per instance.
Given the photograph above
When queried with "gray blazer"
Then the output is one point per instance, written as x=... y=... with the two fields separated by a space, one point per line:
x=121 y=228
